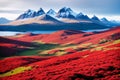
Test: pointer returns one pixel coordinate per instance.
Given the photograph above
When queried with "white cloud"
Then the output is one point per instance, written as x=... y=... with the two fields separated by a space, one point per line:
x=9 y=16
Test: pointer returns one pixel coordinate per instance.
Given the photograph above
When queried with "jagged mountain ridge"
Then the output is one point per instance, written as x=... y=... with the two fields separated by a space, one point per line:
x=31 y=13
x=64 y=15
x=81 y=16
x=51 y=12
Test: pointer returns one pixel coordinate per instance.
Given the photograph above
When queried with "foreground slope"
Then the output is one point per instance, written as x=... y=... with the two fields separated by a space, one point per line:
x=89 y=56
x=91 y=64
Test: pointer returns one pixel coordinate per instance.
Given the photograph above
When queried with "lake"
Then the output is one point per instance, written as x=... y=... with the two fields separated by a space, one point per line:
x=12 y=33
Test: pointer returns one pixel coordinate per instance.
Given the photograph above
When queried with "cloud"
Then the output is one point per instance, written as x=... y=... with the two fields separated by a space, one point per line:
x=11 y=11
x=101 y=7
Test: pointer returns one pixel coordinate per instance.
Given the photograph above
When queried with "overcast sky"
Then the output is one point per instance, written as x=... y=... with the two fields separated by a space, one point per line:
x=108 y=8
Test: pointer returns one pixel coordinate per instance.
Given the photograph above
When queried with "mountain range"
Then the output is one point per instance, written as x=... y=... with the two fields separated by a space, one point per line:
x=64 y=19
x=4 y=20
x=64 y=15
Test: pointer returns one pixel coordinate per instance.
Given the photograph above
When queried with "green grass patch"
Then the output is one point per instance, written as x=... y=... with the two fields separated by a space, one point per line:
x=40 y=47
x=16 y=71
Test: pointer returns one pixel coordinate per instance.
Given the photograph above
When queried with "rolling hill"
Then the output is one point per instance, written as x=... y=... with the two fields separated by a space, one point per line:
x=63 y=55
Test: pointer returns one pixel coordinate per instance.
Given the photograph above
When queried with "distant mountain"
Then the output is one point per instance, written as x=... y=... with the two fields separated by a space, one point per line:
x=27 y=14
x=43 y=19
x=109 y=23
x=31 y=13
x=115 y=22
x=95 y=18
x=66 y=13
x=4 y=20
x=104 y=20
x=46 y=17
x=40 y=12
x=51 y=12
x=81 y=16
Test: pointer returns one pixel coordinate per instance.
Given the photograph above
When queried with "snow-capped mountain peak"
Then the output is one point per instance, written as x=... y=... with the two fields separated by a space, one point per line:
x=95 y=18
x=29 y=11
x=81 y=16
x=27 y=14
x=40 y=12
x=104 y=19
x=66 y=13
x=51 y=12
x=63 y=9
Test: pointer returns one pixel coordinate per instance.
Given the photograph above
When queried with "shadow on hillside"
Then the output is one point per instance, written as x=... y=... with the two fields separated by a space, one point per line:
x=8 y=50
x=11 y=41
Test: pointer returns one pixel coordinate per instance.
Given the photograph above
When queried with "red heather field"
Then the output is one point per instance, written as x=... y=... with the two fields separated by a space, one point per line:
x=87 y=56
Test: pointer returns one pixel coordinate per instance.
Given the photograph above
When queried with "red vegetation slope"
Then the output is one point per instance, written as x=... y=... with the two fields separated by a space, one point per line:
x=73 y=37
x=98 y=63
x=86 y=65
x=15 y=62
x=11 y=46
